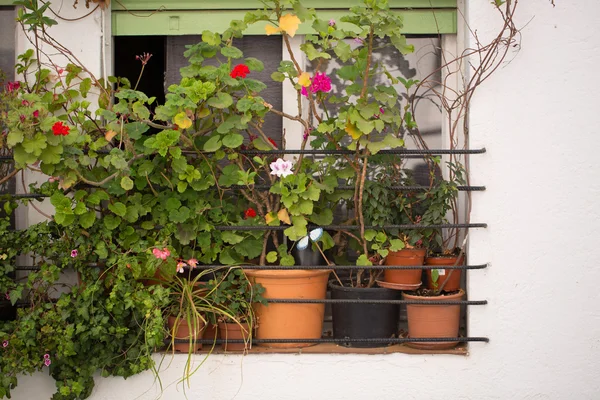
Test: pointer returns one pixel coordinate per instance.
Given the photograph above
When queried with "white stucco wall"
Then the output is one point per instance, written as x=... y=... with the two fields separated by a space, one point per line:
x=535 y=117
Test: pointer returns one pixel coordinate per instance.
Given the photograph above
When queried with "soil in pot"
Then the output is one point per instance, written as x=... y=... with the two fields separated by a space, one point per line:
x=453 y=280
x=404 y=279
x=433 y=321
x=233 y=331
x=364 y=321
x=290 y=321
x=184 y=331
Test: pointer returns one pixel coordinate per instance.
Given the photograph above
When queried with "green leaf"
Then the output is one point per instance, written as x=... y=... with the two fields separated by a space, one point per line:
x=118 y=208
x=231 y=237
x=87 y=219
x=363 y=260
x=85 y=86
x=233 y=140
x=126 y=183
x=278 y=76
x=111 y=222
x=220 y=100
x=396 y=245
x=135 y=130
x=343 y=50
x=271 y=256
x=254 y=64
x=298 y=228
x=232 y=52
x=212 y=144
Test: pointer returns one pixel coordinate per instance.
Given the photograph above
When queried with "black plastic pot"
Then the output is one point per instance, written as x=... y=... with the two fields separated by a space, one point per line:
x=364 y=321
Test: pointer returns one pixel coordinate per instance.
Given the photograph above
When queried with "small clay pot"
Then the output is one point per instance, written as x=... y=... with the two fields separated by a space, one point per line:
x=433 y=321
x=294 y=320
x=233 y=331
x=453 y=280
x=185 y=332
x=404 y=279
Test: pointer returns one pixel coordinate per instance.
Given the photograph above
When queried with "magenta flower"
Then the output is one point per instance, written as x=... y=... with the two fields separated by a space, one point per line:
x=46 y=356
x=74 y=253
x=358 y=40
x=332 y=22
x=319 y=83
x=22 y=118
x=36 y=114
x=5 y=343
x=192 y=262
x=162 y=254
x=281 y=167
x=47 y=362
x=25 y=103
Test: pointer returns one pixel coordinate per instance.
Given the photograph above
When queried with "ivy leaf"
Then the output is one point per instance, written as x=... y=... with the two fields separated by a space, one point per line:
x=141 y=110
x=85 y=86
x=180 y=215
x=271 y=256
x=396 y=245
x=51 y=155
x=278 y=76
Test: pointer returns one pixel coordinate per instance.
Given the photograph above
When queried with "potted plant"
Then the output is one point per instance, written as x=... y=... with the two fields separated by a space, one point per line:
x=232 y=291
x=441 y=199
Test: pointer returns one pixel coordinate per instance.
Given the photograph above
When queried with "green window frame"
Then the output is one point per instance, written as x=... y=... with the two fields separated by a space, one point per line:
x=191 y=17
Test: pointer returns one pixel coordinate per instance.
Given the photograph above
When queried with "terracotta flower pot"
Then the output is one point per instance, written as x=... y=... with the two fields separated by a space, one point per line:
x=433 y=321
x=404 y=279
x=453 y=281
x=184 y=331
x=290 y=321
x=234 y=331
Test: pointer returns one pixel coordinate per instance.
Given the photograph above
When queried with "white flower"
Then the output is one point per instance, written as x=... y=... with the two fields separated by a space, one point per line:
x=281 y=167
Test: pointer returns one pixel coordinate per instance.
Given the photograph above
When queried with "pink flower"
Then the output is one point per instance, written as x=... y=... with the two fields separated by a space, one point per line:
x=12 y=86
x=36 y=114
x=46 y=356
x=22 y=118
x=25 y=103
x=192 y=262
x=320 y=83
x=180 y=266
x=358 y=40
x=332 y=22
x=60 y=71
x=281 y=167
x=74 y=253
x=5 y=343
x=419 y=243
x=47 y=362
x=162 y=254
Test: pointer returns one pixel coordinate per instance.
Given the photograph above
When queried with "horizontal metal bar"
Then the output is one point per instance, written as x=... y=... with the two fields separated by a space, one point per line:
x=334 y=340
x=343 y=267
x=350 y=187
x=347 y=227
x=25 y=196
x=365 y=301
x=396 y=151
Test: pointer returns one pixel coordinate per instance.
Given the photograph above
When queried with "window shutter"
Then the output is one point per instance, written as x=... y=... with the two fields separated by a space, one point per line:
x=191 y=17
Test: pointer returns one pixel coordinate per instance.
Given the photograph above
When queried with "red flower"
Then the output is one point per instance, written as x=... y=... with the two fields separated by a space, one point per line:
x=36 y=114
x=240 y=71
x=273 y=143
x=60 y=129
x=250 y=213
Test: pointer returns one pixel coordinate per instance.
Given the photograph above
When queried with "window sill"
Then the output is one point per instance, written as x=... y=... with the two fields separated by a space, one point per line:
x=332 y=348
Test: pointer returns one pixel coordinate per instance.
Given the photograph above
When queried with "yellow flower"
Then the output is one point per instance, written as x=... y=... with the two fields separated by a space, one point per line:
x=289 y=24
x=270 y=29
x=304 y=79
